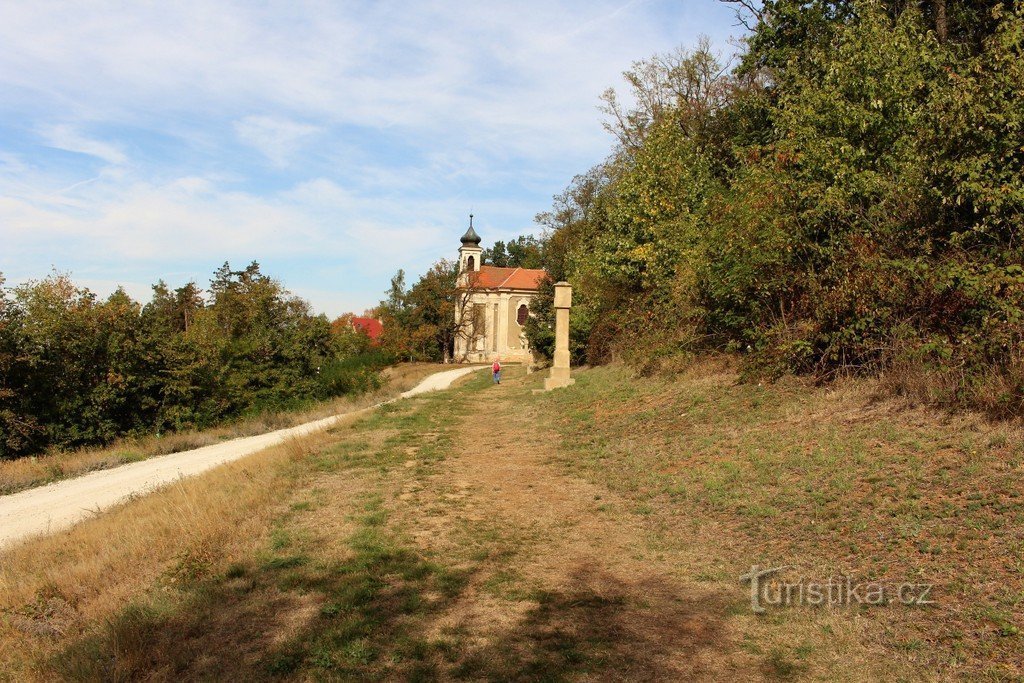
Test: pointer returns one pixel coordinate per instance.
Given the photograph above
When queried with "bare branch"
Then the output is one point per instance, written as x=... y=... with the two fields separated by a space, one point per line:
x=749 y=13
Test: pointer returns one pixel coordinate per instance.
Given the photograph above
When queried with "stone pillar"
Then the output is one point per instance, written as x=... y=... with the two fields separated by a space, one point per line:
x=560 y=369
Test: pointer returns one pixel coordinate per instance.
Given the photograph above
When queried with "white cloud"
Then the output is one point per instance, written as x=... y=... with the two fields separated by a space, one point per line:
x=383 y=123
x=519 y=76
x=278 y=139
x=193 y=185
x=66 y=137
x=194 y=220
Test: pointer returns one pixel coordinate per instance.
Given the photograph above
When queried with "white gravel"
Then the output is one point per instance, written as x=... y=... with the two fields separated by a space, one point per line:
x=57 y=506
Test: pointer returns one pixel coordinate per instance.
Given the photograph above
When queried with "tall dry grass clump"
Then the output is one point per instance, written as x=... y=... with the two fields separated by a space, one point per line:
x=997 y=391
x=56 y=585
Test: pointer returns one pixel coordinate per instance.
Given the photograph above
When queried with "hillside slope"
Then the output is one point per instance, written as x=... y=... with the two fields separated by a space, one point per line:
x=590 y=533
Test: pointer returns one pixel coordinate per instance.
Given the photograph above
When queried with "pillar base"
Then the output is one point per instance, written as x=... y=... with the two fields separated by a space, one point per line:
x=558 y=382
x=558 y=378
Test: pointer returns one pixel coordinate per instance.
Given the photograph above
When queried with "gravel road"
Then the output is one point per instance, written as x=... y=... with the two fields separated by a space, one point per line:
x=57 y=506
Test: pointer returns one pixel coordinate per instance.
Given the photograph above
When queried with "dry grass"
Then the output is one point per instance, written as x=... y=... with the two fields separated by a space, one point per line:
x=93 y=603
x=360 y=580
x=839 y=480
x=60 y=586
x=24 y=473
x=998 y=391
x=593 y=533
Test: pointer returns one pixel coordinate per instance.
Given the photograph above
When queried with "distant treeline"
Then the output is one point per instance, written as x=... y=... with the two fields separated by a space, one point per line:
x=846 y=197
x=76 y=370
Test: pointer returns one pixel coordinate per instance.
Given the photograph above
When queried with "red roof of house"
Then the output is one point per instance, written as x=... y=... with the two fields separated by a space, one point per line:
x=370 y=326
x=493 y=277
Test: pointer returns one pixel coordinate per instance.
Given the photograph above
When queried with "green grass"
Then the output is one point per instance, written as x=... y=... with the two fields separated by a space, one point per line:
x=368 y=605
x=708 y=476
x=796 y=478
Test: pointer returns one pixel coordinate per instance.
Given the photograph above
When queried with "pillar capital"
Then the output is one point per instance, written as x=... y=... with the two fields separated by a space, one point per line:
x=563 y=295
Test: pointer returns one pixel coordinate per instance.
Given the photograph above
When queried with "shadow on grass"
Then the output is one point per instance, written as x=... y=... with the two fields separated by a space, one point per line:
x=370 y=618
x=601 y=627
x=387 y=612
x=279 y=615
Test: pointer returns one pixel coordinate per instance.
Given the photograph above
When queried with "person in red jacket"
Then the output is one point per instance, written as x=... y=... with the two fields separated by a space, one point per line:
x=496 y=371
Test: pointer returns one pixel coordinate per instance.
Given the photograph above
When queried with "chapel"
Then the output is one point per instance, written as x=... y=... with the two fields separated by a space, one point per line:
x=493 y=307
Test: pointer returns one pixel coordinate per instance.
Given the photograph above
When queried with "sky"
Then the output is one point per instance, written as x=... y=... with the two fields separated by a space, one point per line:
x=332 y=142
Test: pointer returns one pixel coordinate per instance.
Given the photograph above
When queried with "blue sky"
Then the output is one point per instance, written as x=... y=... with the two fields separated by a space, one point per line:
x=333 y=142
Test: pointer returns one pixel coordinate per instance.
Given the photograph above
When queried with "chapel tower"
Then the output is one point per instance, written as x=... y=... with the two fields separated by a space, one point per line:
x=470 y=252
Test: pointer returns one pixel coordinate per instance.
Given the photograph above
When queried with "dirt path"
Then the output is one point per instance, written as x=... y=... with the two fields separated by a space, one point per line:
x=574 y=569
x=56 y=506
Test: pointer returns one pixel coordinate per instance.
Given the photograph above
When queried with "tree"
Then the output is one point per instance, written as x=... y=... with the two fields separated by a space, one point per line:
x=433 y=314
x=20 y=431
x=495 y=255
x=172 y=312
x=848 y=198
x=393 y=314
x=689 y=85
x=75 y=370
x=525 y=251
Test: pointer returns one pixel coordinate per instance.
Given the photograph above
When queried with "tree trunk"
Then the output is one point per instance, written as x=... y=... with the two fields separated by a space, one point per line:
x=941 y=23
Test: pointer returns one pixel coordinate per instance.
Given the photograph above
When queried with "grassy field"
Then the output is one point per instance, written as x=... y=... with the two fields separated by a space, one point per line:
x=830 y=482
x=592 y=533
x=23 y=473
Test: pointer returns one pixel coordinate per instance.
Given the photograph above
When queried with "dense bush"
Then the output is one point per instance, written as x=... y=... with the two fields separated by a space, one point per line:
x=848 y=199
x=76 y=370
x=352 y=374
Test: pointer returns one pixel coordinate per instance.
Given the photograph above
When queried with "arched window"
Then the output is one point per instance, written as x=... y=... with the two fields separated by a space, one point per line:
x=522 y=314
x=469 y=264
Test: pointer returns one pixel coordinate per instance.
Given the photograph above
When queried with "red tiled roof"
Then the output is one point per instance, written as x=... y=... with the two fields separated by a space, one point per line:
x=492 y=277
x=370 y=326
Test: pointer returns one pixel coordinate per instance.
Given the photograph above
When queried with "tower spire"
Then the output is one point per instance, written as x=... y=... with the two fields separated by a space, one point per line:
x=470 y=253
x=471 y=237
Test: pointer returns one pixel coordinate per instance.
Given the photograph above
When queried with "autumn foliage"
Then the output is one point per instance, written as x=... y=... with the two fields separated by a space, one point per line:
x=847 y=196
x=76 y=370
